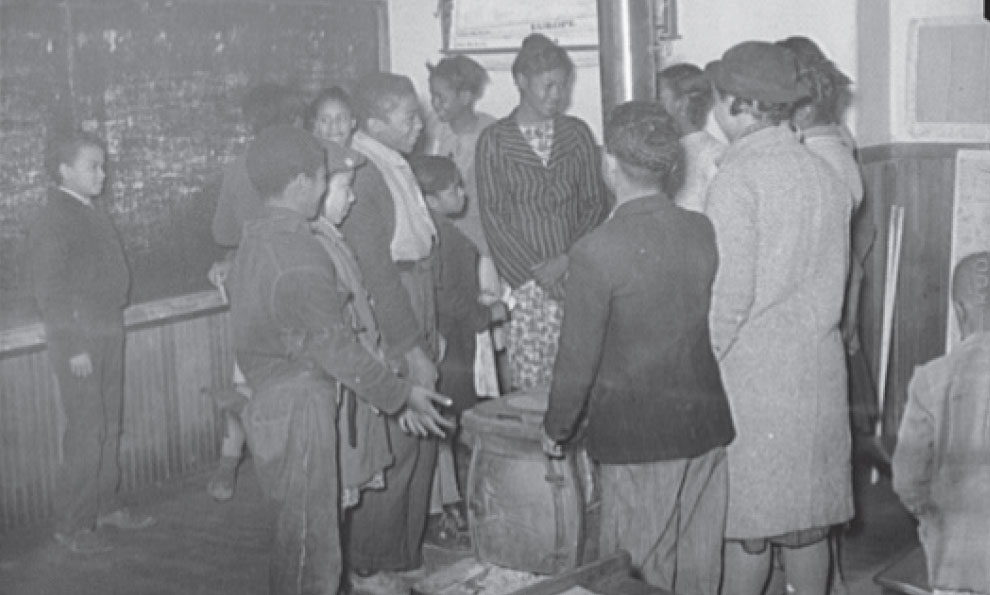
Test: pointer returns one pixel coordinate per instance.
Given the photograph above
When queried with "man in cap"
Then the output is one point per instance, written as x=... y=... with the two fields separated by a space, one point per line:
x=781 y=218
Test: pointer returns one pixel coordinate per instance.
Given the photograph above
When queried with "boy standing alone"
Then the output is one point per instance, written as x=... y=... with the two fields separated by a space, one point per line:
x=81 y=283
x=941 y=467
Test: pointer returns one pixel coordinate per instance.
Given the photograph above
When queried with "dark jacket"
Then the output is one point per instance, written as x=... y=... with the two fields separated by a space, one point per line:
x=635 y=354
x=289 y=315
x=459 y=314
x=368 y=230
x=79 y=273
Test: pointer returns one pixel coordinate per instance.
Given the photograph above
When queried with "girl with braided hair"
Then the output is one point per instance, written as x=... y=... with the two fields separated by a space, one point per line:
x=686 y=94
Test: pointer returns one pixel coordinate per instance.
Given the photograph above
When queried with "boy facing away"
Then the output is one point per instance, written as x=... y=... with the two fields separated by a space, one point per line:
x=81 y=283
x=941 y=466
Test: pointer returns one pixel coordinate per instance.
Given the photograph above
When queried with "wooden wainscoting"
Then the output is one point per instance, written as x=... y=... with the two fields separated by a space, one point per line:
x=919 y=177
x=177 y=351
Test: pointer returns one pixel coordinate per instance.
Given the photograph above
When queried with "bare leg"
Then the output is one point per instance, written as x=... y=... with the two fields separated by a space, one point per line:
x=808 y=567
x=745 y=574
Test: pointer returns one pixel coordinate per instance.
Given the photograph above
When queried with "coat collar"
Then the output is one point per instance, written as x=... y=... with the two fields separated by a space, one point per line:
x=643 y=205
x=511 y=136
x=761 y=140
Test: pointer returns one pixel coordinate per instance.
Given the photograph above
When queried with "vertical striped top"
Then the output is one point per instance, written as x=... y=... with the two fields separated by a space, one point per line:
x=531 y=212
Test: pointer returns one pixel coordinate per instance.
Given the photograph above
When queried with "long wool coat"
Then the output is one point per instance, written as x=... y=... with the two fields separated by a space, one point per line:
x=781 y=221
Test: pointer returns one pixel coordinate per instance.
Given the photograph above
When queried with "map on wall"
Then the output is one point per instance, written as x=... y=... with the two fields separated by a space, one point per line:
x=970 y=218
x=500 y=25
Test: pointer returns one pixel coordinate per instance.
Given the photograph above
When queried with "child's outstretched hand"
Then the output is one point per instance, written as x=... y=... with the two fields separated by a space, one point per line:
x=81 y=365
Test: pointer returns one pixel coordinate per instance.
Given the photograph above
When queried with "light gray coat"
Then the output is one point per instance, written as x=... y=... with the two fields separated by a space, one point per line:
x=781 y=219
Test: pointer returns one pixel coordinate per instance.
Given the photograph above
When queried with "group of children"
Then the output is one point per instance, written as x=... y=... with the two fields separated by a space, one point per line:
x=362 y=279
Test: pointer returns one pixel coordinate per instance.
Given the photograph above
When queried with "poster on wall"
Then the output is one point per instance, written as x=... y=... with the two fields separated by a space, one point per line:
x=970 y=219
x=493 y=26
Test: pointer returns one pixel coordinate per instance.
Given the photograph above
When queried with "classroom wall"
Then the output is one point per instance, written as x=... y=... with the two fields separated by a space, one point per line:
x=709 y=27
x=415 y=39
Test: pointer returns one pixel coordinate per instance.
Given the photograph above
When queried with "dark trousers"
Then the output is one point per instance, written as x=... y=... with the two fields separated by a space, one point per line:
x=291 y=429
x=386 y=529
x=88 y=475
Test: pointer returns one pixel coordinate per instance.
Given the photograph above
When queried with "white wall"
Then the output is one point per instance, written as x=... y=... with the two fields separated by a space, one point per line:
x=415 y=40
x=709 y=27
x=867 y=39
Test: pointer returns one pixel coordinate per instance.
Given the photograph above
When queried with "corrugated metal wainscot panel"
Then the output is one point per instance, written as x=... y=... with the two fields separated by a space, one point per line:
x=177 y=352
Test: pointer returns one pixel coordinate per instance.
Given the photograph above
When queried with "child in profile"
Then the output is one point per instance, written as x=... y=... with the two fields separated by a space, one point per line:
x=81 y=282
x=461 y=316
x=686 y=94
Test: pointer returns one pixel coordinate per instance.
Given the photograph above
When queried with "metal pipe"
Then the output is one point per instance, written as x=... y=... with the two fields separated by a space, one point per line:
x=627 y=61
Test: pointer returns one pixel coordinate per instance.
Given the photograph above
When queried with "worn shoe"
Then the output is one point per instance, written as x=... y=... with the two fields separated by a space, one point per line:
x=84 y=541
x=379 y=583
x=125 y=519
x=224 y=479
x=442 y=532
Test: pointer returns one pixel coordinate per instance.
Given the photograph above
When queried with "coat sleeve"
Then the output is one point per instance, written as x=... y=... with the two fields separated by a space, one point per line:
x=594 y=198
x=732 y=210
x=459 y=287
x=368 y=230
x=513 y=255
x=915 y=452
x=329 y=340
x=582 y=337
x=51 y=265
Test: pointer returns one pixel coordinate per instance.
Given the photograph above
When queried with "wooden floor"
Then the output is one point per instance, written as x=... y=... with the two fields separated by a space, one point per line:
x=203 y=547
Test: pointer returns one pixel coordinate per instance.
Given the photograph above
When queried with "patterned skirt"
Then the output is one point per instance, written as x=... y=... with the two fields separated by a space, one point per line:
x=534 y=331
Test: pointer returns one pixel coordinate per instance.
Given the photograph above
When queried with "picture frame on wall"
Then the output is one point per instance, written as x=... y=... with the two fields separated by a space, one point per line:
x=486 y=26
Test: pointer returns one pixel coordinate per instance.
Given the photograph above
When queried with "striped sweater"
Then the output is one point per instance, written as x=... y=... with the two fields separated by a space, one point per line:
x=531 y=212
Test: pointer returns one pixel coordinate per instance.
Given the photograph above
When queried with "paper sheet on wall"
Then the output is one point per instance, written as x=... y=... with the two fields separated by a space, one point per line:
x=501 y=25
x=970 y=219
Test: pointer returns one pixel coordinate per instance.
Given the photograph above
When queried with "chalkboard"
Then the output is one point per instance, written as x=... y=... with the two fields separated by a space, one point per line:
x=161 y=82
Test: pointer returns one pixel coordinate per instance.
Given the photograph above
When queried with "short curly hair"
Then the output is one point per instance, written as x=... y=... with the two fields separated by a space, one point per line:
x=688 y=80
x=540 y=54
x=645 y=140
x=461 y=72
x=278 y=155
x=377 y=94
x=63 y=148
x=434 y=173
